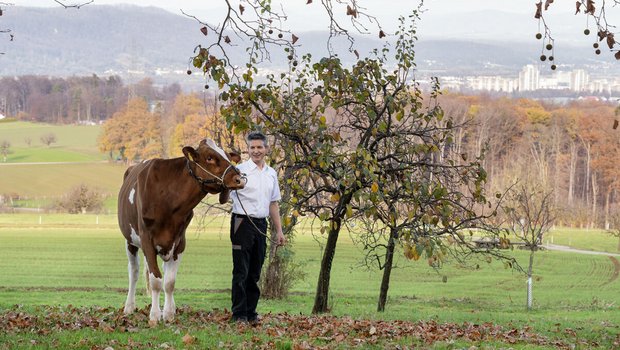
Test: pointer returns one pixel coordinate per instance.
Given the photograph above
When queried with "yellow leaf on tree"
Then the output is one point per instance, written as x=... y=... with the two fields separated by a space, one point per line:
x=287 y=220
x=335 y=197
x=374 y=187
x=349 y=211
x=411 y=253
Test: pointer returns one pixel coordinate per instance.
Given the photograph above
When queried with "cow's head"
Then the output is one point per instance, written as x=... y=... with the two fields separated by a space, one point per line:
x=213 y=169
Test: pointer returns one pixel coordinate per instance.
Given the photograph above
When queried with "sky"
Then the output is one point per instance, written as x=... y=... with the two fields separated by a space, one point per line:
x=442 y=18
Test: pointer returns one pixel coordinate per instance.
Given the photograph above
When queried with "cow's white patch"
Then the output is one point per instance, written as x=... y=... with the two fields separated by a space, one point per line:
x=217 y=149
x=168 y=255
x=135 y=239
x=156 y=287
x=131 y=195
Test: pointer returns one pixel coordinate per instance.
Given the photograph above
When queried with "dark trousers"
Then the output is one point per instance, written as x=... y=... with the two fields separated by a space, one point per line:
x=248 y=253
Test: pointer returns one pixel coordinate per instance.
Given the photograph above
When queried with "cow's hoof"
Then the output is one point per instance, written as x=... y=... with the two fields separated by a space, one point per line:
x=129 y=309
x=169 y=316
x=154 y=317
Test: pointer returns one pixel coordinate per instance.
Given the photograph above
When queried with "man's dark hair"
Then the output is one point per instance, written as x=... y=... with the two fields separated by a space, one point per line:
x=256 y=135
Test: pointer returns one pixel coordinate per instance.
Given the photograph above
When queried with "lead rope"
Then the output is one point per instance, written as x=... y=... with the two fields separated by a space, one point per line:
x=253 y=224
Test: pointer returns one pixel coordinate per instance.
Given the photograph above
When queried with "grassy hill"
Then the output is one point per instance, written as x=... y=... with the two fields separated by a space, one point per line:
x=74 y=143
x=40 y=173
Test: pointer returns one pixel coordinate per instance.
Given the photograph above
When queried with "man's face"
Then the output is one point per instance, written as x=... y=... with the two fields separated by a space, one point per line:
x=257 y=151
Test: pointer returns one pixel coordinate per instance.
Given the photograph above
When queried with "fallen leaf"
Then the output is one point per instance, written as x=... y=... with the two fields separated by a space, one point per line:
x=204 y=30
x=188 y=339
x=295 y=38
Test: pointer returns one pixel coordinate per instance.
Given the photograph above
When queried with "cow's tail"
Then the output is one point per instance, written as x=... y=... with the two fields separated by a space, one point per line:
x=146 y=278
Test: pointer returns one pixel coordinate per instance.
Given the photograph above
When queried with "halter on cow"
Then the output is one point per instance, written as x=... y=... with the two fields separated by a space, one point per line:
x=155 y=206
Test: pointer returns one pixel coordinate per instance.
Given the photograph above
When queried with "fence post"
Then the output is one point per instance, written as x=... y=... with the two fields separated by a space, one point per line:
x=529 y=293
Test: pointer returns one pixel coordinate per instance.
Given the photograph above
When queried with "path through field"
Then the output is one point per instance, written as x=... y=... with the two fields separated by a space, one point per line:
x=615 y=269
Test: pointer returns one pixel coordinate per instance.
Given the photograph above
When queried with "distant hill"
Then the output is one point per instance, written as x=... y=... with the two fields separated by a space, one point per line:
x=95 y=39
x=103 y=40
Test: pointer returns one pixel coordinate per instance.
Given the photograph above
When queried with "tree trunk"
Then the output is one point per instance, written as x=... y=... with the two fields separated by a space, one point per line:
x=273 y=275
x=322 y=288
x=586 y=188
x=594 y=200
x=387 y=271
x=607 y=201
x=571 y=172
x=556 y=171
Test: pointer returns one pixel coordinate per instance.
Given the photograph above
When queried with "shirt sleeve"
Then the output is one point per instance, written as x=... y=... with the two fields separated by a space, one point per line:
x=275 y=193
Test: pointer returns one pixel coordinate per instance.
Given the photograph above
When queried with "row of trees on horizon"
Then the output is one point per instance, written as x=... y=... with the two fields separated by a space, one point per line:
x=70 y=100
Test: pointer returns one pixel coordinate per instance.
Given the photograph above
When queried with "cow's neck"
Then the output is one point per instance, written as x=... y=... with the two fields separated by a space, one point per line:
x=189 y=191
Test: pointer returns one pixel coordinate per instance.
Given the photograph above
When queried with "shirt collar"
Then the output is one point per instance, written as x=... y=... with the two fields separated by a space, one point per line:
x=252 y=166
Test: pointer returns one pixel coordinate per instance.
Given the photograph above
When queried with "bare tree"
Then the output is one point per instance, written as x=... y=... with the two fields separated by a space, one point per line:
x=48 y=139
x=5 y=149
x=530 y=213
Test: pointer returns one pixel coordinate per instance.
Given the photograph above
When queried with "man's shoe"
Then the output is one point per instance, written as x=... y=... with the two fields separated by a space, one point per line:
x=254 y=321
x=239 y=319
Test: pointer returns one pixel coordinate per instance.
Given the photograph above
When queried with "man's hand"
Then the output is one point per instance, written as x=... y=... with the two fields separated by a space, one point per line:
x=280 y=239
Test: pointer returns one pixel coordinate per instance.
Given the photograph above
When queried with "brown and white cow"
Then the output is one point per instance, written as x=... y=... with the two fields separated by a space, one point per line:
x=155 y=206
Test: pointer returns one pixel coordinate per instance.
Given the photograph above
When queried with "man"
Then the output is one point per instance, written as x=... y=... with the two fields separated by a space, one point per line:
x=248 y=228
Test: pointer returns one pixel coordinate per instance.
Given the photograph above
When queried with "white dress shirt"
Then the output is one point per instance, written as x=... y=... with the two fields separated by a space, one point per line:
x=261 y=189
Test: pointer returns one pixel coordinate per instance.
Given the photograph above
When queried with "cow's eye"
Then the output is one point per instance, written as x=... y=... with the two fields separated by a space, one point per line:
x=209 y=159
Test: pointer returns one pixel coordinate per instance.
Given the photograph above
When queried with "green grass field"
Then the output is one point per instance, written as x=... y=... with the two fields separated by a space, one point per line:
x=79 y=260
x=74 y=143
x=65 y=278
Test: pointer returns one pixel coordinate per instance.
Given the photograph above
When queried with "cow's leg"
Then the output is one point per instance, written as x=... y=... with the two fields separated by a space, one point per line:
x=146 y=278
x=155 y=282
x=170 y=274
x=133 y=268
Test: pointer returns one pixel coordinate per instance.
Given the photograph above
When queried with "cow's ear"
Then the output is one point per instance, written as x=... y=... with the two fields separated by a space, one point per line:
x=224 y=195
x=190 y=153
x=234 y=156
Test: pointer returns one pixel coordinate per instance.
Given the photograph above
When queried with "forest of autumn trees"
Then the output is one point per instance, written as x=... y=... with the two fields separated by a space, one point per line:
x=570 y=149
